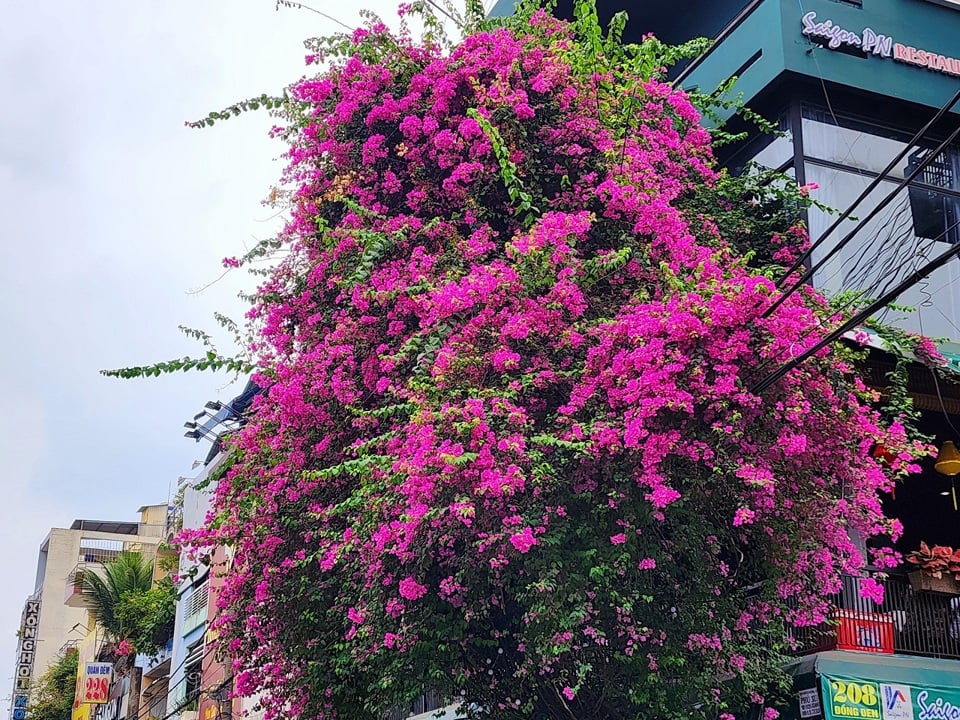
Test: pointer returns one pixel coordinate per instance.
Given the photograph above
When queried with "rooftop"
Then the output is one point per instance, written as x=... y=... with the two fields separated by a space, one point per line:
x=107 y=526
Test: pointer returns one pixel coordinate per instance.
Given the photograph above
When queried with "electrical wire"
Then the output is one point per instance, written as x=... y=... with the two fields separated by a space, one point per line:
x=804 y=256
x=808 y=274
x=943 y=407
x=213 y=647
x=873 y=290
x=860 y=273
x=833 y=115
x=855 y=300
x=933 y=370
x=188 y=699
x=948 y=319
x=908 y=282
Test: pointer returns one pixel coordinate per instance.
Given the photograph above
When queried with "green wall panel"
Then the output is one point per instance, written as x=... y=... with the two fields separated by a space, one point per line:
x=910 y=23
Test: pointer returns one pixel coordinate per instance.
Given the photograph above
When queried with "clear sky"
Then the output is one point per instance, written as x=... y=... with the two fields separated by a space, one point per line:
x=111 y=214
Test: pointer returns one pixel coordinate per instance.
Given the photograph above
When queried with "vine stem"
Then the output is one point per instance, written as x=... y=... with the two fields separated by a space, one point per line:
x=301 y=6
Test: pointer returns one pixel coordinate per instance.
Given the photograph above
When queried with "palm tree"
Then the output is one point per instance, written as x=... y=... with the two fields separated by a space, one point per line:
x=129 y=573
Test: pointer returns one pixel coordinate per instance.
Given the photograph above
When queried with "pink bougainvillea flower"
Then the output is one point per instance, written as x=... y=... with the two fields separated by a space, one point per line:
x=508 y=346
x=870 y=589
x=411 y=589
x=523 y=540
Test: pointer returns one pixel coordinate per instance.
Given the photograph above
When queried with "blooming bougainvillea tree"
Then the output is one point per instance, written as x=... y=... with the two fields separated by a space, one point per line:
x=508 y=449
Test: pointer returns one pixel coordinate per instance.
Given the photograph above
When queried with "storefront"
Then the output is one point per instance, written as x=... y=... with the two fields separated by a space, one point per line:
x=841 y=685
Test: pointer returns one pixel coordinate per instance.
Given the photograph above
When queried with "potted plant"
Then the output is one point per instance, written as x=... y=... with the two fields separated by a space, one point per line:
x=938 y=569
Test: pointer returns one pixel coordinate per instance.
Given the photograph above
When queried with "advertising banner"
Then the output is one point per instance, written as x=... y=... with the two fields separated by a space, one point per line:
x=86 y=652
x=845 y=697
x=868 y=41
x=25 y=651
x=96 y=682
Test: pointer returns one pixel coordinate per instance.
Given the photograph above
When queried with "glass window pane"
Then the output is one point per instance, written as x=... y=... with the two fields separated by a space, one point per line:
x=914 y=228
x=851 y=148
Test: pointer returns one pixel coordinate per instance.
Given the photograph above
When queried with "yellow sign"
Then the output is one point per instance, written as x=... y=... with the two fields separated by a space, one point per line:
x=86 y=652
x=853 y=699
x=96 y=682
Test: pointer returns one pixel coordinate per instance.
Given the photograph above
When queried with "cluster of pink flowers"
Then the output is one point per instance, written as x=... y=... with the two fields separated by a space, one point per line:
x=124 y=648
x=512 y=446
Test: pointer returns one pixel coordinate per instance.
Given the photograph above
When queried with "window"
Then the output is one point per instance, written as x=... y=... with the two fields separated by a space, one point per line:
x=842 y=156
x=193 y=674
x=935 y=215
x=195 y=609
x=96 y=550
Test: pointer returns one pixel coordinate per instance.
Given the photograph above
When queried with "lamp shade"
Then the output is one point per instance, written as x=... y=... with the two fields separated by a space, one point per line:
x=948 y=459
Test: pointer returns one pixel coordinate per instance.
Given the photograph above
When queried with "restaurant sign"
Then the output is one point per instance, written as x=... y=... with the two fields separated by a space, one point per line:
x=870 y=42
x=874 y=700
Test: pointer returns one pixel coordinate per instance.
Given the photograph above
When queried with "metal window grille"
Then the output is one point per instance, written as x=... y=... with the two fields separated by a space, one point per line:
x=96 y=550
x=195 y=609
x=936 y=216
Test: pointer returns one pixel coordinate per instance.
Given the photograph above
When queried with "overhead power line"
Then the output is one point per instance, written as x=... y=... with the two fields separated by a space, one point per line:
x=808 y=274
x=851 y=303
x=907 y=283
x=872 y=186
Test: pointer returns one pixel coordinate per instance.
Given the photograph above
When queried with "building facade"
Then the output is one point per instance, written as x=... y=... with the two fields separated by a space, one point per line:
x=55 y=615
x=201 y=679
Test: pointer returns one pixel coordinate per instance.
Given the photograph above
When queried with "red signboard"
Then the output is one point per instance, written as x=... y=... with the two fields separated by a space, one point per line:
x=865 y=631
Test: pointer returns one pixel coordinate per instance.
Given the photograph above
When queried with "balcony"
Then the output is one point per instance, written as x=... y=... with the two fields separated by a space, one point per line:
x=428 y=705
x=74 y=595
x=908 y=622
x=157 y=666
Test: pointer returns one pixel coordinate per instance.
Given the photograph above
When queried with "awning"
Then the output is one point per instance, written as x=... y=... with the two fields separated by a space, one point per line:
x=864 y=336
x=907 y=669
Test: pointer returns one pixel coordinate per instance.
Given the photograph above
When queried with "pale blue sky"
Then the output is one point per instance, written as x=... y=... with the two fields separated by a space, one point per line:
x=111 y=211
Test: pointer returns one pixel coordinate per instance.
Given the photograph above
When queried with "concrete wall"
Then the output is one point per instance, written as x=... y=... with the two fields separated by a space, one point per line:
x=60 y=554
x=153 y=520
x=56 y=619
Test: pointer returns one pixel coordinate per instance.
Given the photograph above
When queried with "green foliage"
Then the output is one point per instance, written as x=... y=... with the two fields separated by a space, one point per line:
x=168 y=560
x=267 y=102
x=907 y=349
x=752 y=208
x=129 y=574
x=147 y=617
x=721 y=104
x=52 y=697
x=522 y=200
x=210 y=361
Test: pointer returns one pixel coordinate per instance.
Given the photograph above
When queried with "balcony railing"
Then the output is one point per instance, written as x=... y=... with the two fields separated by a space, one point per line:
x=74 y=595
x=429 y=702
x=151 y=664
x=909 y=621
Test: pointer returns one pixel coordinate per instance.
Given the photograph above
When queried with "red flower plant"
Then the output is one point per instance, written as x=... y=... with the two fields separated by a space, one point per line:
x=936 y=560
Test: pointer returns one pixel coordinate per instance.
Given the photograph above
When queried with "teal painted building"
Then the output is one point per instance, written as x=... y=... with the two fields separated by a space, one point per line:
x=850 y=81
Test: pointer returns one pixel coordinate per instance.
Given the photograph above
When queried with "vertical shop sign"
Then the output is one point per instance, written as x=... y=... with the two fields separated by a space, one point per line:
x=26 y=649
